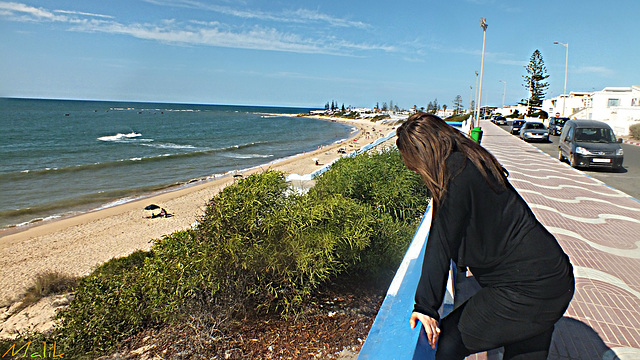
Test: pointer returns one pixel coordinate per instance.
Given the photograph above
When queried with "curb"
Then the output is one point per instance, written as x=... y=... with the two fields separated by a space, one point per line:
x=631 y=142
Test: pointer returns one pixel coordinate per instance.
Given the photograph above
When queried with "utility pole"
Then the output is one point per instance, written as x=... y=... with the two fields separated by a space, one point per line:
x=566 y=64
x=503 y=91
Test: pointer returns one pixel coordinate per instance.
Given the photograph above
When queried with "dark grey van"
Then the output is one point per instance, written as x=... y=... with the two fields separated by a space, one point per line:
x=590 y=143
x=556 y=124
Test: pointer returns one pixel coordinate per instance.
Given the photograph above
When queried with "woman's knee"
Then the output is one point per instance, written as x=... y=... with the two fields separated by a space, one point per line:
x=534 y=348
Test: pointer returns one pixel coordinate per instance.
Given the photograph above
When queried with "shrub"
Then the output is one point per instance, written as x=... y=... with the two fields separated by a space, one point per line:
x=458 y=118
x=540 y=114
x=378 y=179
x=275 y=247
x=634 y=131
x=380 y=117
x=109 y=306
x=398 y=195
x=258 y=247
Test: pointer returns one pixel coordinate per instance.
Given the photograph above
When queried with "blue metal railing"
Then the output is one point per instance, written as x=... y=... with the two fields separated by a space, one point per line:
x=390 y=336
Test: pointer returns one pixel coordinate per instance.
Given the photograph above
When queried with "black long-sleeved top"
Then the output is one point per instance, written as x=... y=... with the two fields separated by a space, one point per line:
x=479 y=228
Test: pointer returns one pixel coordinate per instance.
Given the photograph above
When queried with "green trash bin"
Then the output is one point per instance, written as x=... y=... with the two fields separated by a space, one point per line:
x=476 y=134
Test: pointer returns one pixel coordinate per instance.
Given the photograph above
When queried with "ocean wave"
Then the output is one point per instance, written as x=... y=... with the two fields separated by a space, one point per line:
x=273 y=115
x=227 y=151
x=154 y=110
x=134 y=137
x=120 y=137
x=249 y=156
x=168 y=146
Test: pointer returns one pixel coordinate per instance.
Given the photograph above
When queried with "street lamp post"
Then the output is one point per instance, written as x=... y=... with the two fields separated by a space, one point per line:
x=503 y=91
x=483 y=24
x=470 y=98
x=566 y=63
x=475 y=98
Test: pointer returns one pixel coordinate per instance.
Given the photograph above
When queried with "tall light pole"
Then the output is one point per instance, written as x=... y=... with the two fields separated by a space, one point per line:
x=503 y=91
x=566 y=63
x=470 y=98
x=475 y=98
x=483 y=24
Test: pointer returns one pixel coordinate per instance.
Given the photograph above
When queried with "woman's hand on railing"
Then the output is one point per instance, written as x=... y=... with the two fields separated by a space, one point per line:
x=430 y=326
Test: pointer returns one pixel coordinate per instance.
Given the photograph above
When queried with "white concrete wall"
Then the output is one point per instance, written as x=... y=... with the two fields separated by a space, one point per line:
x=596 y=106
x=619 y=116
x=572 y=104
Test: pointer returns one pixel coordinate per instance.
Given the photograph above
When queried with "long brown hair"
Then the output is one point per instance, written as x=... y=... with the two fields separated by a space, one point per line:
x=425 y=141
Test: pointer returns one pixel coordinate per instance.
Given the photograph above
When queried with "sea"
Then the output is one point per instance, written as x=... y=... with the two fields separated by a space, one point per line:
x=63 y=157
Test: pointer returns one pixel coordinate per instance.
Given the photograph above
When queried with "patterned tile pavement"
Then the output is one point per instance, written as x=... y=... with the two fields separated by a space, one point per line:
x=599 y=228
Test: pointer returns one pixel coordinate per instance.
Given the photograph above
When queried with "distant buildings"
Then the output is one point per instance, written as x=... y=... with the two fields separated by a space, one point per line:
x=617 y=106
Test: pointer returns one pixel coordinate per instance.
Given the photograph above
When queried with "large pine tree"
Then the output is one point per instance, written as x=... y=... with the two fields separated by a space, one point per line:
x=534 y=80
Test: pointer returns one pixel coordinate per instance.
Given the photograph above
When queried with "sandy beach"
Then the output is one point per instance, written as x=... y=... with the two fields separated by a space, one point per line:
x=76 y=245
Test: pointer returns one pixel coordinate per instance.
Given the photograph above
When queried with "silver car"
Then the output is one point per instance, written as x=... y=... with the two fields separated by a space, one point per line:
x=534 y=130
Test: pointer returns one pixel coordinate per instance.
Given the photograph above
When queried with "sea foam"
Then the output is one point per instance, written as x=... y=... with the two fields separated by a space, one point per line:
x=120 y=137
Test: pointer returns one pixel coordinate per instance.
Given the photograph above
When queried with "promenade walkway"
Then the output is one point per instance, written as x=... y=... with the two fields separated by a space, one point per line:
x=599 y=228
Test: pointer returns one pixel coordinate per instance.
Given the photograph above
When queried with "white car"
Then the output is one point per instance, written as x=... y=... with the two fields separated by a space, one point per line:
x=534 y=130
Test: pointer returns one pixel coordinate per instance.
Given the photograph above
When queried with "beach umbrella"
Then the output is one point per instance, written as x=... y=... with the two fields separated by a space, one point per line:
x=152 y=207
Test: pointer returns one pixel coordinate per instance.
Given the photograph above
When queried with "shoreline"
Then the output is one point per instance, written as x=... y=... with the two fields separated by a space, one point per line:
x=76 y=244
x=71 y=209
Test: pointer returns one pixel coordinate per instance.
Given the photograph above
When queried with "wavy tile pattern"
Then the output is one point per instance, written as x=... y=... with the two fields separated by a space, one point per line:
x=599 y=228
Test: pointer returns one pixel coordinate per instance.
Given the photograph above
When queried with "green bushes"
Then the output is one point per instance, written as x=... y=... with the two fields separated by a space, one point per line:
x=459 y=117
x=110 y=304
x=541 y=114
x=634 y=131
x=398 y=195
x=378 y=179
x=259 y=247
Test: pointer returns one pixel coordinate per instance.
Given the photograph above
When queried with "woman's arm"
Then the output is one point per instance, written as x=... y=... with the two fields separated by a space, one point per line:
x=445 y=236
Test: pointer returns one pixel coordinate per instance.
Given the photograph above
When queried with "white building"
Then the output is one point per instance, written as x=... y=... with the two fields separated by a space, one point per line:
x=444 y=113
x=566 y=105
x=510 y=109
x=617 y=106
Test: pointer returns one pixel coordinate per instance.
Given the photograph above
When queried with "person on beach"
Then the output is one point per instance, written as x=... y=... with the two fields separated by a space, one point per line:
x=481 y=223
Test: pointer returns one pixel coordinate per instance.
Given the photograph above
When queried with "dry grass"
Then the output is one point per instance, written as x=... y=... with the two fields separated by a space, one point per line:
x=48 y=283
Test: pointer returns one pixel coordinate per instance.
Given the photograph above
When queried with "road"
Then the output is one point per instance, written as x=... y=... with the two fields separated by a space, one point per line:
x=626 y=180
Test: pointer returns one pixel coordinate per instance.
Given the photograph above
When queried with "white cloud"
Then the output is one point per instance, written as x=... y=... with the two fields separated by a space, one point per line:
x=211 y=34
x=195 y=32
x=82 y=13
x=598 y=70
x=287 y=16
x=24 y=12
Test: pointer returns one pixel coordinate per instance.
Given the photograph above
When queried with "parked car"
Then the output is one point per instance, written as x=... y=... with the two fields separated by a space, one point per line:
x=590 y=143
x=499 y=120
x=515 y=126
x=556 y=124
x=534 y=130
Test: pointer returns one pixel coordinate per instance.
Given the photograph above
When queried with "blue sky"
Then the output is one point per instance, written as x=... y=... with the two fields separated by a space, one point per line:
x=309 y=52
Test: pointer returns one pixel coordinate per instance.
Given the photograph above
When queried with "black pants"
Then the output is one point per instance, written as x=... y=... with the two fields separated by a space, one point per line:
x=518 y=305
x=452 y=347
